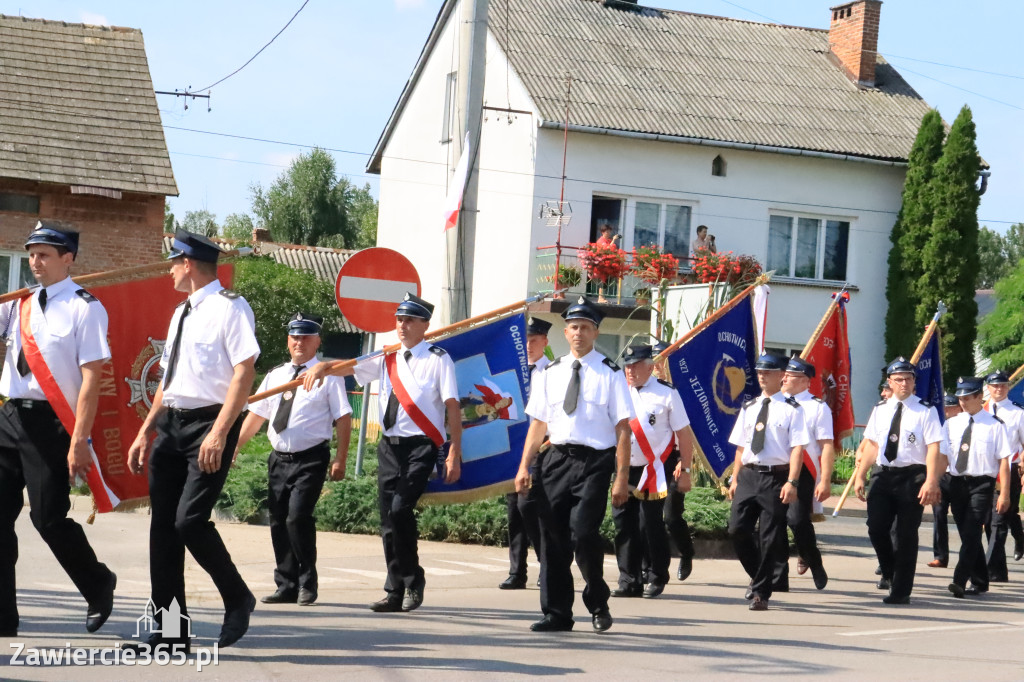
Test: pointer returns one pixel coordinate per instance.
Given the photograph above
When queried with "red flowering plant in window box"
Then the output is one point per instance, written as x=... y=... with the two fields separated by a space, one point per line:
x=653 y=266
x=725 y=268
x=603 y=262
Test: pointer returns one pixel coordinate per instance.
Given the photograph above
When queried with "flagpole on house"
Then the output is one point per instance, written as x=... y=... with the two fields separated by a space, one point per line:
x=824 y=321
x=918 y=352
x=337 y=366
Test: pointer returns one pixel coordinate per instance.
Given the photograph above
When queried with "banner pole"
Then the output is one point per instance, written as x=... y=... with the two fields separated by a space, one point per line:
x=928 y=332
x=821 y=325
x=364 y=411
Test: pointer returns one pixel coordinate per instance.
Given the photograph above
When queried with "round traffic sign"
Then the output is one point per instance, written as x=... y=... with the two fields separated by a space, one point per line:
x=371 y=284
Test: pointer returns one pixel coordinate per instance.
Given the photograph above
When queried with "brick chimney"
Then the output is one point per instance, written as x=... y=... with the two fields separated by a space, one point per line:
x=853 y=38
x=260 y=234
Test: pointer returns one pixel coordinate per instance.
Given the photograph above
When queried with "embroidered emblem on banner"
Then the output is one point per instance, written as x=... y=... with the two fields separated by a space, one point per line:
x=145 y=378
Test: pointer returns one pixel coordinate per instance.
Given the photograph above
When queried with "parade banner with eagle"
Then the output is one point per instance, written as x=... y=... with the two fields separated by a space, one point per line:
x=829 y=352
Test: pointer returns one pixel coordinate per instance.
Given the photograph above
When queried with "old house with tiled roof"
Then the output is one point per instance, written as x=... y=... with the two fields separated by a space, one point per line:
x=81 y=143
x=790 y=143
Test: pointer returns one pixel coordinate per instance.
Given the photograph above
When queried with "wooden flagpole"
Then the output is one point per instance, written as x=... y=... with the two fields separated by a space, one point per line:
x=337 y=366
x=1015 y=377
x=821 y=325
x=112 y=276
x=918 y=352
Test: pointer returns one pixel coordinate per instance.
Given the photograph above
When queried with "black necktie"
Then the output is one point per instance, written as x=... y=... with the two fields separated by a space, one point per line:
x=995 y=410
x=533 y=367
x=22 y=364
x=965 y=448
x=172 y=359
x=284 y=409
x=892 y=443
x=572 y=394
x=760 y=426
x=391 y=413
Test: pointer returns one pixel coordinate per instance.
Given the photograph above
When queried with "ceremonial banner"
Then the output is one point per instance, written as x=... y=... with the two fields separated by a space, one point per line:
x=928 y=382
x=139 y=313
x=714 y=375
x=830 y=356
x=493 y=377
x=453 y=202
x=1016 y=393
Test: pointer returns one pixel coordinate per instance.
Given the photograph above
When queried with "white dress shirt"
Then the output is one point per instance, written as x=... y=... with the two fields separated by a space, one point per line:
x=919 y=428
x=71 y=332
x=603 y=401
x=784 y=430
x=434 y=372
x=658 y=402
x=989 y=444
x=219 y=333
x=313 y=412
x=818 y=417
x=1013 y=416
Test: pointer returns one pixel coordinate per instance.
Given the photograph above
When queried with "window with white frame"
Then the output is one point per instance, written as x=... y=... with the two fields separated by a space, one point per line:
x=14 y=271
x=663 y=224
x=807 y=247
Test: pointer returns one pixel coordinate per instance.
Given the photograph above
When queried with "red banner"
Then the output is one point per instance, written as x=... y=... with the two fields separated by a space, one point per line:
x=831 y=359
x=139 y=313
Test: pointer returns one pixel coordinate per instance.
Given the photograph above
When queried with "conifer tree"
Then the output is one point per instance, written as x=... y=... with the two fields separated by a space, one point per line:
x=1001 y=333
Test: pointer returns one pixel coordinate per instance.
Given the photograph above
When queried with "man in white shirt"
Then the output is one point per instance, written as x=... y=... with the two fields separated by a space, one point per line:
x=300 y=435
x=1012 y=415
x=770 y=434
x=902 y=437
x=581 y=402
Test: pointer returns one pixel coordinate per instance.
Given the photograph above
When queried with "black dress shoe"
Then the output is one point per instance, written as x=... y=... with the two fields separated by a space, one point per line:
x=1018 y=550
x=306 y=597
x=513 y=582
x=389 y=604
x=236 y=622
x=685 y=568
x=749 y=594
x=884 y=584
x=758 y=604
x=893 y=599
x=155 y=642
x=820 y=577
x=957 y=590
x=412 y=600
x=552 y=624
x=652 y=590
x=632 y=590
x=280 y=597
x=878 y=570
x=974 y=591
x=602 y=620
x=98 y=613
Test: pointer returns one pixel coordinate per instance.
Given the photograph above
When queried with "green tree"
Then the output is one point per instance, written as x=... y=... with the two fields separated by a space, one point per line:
x=909 y=235
x=363 y=213
x=306 y=203
x=237 y=226
x=1001 y=332
x=992 y=260
x=276 y=292
x=1013 y=242
x=200 y=222
x=169 y=222
x=950 y=256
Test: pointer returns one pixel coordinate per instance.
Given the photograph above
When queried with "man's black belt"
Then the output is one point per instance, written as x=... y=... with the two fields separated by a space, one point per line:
x=909 y=469
x=195 y=412
x=317 y=449
x=407 y=440
x=574 y=450
x=768 y=468
x=974 y=479
x=30 y=404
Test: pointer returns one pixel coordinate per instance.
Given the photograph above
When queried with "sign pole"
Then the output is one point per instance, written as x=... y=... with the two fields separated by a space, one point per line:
x=364 y=411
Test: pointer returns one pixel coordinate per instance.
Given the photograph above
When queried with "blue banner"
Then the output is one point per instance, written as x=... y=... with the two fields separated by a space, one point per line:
x=1016 y=393
x=493 y=374
x=714 y=375
x=928 y=380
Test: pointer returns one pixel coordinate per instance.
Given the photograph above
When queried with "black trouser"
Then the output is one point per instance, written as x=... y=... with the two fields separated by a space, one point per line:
x=34 y=454
x=971 y=500
x=639 y=525
x=675 y=505
x=296 y=481
x=523 y=530
x=1000 y=524
x=940 y=522
x=798 y=518
x=893 y=497
x=181 y=501
x=573 y=497
x=403 y=469
x=757 y=503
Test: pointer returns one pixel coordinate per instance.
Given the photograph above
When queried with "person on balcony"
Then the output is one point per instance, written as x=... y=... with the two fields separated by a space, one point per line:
x=704 y=241
x=606 y=238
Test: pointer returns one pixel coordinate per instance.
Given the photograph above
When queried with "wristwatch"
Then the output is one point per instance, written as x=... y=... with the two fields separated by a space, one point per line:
x=792 y=482
x=685 y=470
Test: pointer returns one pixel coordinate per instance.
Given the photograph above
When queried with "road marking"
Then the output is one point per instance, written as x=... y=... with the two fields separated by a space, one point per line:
x=376 y=575
x=934 y=628
x=481 y=567
x=431 y=570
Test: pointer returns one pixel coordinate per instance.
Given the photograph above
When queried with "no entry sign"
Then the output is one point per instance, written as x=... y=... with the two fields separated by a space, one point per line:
x=370 y=286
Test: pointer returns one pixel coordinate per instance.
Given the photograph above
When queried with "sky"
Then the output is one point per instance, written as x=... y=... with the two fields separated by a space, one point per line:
x=333 y=76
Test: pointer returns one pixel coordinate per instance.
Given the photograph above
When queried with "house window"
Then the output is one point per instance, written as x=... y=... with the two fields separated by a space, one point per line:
x=808 y=248
x=718 y=167
x=19 y=203
x=449 y=107
x=14 y=271
x=662 y=224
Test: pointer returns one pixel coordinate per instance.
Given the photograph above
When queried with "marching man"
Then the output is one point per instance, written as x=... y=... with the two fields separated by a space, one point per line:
x=1012 y=415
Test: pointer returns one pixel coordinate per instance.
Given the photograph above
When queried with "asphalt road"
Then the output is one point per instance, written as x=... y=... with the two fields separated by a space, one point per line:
x=468 y=629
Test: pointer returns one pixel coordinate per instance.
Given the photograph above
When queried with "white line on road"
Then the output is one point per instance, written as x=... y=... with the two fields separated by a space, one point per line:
x=376 y=575
x=481 y=567
x=934 y=628
x=431 y=570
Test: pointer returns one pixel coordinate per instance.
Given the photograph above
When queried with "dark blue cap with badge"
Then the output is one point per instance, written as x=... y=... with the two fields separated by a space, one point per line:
x=659 y=347
x=899 y=366
x=771 y=361
x=535 y=325
x=414 y=306
x=637 y=353
x=304 y=324
x=997 y=377
x=195 y=246
x=50 y=235
x=968 y=385
x=800 y=366
x=583 y=309
x=949 y=400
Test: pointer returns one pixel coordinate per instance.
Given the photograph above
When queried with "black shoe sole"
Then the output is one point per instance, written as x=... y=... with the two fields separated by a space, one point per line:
x=91 y=624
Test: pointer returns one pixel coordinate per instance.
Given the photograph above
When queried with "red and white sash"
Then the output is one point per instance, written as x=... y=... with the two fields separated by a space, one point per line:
x=410 y=397
x=810 y=464
x=63 y=404
x=653 y=484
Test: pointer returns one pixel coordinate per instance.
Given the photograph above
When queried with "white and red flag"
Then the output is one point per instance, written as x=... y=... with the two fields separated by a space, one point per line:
x=830 y=356
x=453 y=202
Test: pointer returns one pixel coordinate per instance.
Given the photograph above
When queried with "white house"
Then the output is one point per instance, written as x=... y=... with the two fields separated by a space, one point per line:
x=789 y=143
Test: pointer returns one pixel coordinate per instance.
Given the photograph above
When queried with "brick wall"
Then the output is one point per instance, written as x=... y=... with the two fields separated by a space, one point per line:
x=853 y=38
x=115 y=233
